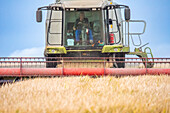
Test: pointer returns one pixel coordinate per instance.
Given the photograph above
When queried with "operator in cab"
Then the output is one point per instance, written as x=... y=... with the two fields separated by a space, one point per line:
x=81 y=24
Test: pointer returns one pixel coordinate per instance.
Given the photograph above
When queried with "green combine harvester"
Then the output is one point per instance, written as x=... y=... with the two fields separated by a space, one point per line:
x=87 y=38
x=87 y=28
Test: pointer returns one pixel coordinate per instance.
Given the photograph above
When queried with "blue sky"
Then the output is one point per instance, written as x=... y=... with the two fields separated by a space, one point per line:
x=21 y=36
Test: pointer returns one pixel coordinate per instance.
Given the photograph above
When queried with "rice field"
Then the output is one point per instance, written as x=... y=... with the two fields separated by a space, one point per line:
x=139 y=94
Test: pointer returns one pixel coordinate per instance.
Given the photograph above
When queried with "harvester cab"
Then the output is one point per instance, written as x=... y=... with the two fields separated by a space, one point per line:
x=78 y=28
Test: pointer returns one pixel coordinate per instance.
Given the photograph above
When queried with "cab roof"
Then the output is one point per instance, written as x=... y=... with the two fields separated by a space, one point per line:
x=83 y=3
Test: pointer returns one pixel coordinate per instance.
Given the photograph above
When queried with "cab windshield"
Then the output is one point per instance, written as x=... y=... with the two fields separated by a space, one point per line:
x=83 y=28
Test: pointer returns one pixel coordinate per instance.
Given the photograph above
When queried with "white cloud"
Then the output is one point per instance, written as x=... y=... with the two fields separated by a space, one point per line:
x=29 y=52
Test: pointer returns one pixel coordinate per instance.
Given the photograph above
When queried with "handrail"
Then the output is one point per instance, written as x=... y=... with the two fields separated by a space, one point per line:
x=142 y=21
x=126 y=33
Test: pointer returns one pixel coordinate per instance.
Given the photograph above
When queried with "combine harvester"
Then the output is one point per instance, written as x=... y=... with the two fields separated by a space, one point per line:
x=87 y=37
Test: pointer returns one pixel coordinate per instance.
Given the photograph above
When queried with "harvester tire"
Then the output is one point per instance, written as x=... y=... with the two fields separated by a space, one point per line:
x=122 y=64
x=1 y=78
x=51 y=64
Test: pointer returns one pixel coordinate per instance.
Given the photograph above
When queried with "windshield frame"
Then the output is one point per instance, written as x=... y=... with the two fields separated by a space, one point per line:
x=84 y=10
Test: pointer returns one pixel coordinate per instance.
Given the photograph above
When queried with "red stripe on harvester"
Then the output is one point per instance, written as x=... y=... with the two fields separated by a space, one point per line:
x=80 y=71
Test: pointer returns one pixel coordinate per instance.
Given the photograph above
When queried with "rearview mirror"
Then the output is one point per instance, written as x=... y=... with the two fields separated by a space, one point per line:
x=127 y=14
x=39 y=16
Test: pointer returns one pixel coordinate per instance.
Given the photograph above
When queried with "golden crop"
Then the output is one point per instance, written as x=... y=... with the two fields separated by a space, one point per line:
x=140 y=94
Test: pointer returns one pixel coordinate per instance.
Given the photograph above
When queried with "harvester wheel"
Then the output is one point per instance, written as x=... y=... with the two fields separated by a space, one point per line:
x=1 y=78
x=51 y=64
x=120 y=64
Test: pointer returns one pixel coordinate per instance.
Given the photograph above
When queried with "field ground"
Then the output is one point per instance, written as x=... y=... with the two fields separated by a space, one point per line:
x=139 y=94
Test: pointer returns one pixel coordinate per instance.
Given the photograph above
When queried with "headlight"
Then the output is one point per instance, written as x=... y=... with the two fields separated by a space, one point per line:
x=53 y=51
